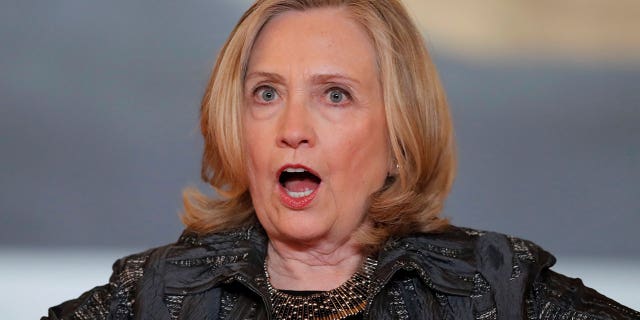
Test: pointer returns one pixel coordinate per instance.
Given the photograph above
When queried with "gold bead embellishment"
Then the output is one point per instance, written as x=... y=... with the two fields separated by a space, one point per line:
x=348 y=299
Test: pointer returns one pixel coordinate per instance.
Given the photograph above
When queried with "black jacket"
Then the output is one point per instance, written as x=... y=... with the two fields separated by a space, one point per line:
x=458 y=274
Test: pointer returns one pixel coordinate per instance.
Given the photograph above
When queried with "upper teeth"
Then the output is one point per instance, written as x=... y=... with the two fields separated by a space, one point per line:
x=294 y=170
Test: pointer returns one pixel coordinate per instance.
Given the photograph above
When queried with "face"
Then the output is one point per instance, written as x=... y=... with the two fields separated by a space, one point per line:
x=314 y=126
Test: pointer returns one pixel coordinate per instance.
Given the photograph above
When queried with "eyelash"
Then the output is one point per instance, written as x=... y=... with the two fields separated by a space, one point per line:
x=260 y=89
x=345 y=93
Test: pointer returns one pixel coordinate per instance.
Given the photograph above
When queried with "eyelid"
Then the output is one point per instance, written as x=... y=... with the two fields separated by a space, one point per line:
x=343 y=90
x=259 y=86
x=253 y=85
x=263 y=86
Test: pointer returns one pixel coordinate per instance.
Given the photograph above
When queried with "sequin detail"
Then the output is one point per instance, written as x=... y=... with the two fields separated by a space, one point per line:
x=344 y=301
x=95 y=308
x=480 y=286
x=551 y=311
x=212 y=261
x=119 y=294
x=521 y=254
x=227 y=302
x=492 y=314
x=398 y=306
x=174 y=304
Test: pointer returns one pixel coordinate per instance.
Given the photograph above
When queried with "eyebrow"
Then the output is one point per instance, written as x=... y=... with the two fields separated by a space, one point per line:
x=268 y=75
x=330 y=77
x=321 y=78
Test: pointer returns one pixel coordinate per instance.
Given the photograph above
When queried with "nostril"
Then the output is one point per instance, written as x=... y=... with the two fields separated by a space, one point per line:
x=295 y=128
x=294 y=141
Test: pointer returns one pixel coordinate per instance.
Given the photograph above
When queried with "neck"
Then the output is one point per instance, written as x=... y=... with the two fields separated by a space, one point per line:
x=311 y=268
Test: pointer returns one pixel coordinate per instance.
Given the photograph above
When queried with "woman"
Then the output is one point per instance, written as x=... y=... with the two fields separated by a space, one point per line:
x=328 y=136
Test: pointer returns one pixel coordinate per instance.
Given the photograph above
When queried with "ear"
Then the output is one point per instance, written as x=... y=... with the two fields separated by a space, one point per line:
x=394 y=168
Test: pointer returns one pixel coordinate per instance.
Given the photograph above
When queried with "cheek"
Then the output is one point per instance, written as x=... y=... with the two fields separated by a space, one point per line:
x=256 y=161
x=257 y=176
x=362 y=158
x=254 y=135
x=254 y=153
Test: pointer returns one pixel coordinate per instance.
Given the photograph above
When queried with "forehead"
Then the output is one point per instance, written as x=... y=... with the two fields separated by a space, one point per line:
x=324 y=38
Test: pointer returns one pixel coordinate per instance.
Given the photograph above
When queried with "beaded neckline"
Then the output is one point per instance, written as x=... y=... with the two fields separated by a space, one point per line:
x=348 y=299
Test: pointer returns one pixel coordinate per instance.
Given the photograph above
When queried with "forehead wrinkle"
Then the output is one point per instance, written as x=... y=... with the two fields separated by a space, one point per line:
x=314 y=65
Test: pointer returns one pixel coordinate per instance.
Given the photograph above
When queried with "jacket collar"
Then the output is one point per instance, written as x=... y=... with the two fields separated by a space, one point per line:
x=446 y=262
x=197 y=263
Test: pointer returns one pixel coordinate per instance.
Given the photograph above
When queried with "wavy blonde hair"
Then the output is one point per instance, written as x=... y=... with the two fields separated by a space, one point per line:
x=419 y=126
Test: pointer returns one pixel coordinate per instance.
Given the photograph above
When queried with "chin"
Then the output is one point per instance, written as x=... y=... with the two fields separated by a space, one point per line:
x=305 y=231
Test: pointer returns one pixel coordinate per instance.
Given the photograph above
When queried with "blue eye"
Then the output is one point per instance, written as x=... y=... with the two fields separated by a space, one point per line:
x=337 y=95
x=266 y=94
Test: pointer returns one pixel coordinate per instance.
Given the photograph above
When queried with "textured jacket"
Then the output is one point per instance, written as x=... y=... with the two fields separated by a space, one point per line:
x=459 y=274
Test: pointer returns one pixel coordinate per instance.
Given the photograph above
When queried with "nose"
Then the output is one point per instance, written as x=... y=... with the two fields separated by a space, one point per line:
x=295 y=128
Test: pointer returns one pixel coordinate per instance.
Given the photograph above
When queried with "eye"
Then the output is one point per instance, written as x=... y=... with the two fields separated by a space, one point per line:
x=265 y=94
x=337 y=95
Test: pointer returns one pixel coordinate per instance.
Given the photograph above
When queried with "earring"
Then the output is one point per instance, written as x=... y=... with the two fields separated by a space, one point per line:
x=394 y=172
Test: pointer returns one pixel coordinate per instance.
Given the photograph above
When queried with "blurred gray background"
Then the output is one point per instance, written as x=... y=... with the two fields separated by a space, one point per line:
x=98 y=130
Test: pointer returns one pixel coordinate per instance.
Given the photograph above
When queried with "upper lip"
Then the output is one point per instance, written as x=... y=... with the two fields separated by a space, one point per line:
x=296 y=166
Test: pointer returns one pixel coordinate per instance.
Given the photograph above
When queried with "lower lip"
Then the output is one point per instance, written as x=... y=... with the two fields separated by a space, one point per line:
x=296 y=203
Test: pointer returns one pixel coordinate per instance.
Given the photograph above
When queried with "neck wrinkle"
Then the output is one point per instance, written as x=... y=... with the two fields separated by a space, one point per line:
x=310 y=270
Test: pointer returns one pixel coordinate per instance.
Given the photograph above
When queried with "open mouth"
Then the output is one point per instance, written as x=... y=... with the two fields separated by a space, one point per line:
x=298 y=182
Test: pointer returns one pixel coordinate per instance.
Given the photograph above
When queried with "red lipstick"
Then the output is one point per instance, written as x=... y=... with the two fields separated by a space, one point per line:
x=298 y=186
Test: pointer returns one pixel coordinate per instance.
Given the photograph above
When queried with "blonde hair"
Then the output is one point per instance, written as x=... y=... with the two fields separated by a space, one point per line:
x=419 y=126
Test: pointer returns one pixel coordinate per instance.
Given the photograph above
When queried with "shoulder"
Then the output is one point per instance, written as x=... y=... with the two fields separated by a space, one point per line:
x=145 y=280
x=556 y=296
x=115 y=297
x=490 y=253
x=507 y=271
x=474 y=259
